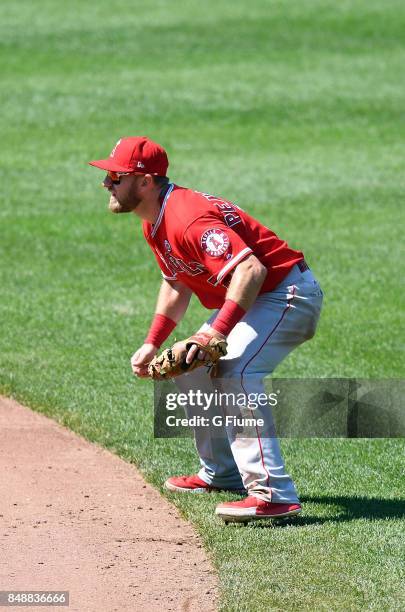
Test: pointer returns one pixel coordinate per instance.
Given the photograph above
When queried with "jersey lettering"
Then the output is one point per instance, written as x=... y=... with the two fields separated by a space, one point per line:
x=228 y=210
x=232 y=219
x=192 y=268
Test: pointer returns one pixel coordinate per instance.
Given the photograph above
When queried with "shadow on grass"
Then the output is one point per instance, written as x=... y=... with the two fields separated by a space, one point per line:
x=350 y=509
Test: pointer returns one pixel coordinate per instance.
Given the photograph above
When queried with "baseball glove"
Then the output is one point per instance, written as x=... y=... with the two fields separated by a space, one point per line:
x=172 y=362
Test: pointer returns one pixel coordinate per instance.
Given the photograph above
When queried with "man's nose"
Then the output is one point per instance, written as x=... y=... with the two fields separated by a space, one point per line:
x=107 y=183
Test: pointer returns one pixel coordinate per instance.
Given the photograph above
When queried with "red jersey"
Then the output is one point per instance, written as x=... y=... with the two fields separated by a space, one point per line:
x=198 y=239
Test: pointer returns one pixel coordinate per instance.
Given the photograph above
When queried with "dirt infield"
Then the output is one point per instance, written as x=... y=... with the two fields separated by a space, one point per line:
x=75 y=517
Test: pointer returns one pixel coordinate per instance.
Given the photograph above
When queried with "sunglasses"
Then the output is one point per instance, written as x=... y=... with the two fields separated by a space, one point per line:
x=116 y=176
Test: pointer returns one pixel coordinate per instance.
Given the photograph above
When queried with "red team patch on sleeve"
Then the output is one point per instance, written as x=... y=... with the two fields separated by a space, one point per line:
x=215 y=242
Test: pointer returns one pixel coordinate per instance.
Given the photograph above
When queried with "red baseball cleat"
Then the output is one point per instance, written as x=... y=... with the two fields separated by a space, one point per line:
x=252 y=508
x=191 y=484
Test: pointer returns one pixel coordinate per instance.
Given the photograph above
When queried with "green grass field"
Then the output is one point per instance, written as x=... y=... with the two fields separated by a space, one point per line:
x=296 y=112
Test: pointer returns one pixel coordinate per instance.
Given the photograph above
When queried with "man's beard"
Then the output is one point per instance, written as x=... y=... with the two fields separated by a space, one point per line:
x=118 y=207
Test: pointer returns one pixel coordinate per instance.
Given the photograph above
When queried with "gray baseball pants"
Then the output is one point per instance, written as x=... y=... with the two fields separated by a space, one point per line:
x=276 y=324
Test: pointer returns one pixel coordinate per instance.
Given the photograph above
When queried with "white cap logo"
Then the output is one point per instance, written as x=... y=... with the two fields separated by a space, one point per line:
x=114 y=149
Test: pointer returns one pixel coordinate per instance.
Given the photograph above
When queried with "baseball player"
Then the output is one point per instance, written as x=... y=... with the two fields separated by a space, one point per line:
x=265 y=302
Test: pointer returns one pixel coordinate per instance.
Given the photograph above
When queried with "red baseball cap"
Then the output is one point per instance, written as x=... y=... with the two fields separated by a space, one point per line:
x=135 y=154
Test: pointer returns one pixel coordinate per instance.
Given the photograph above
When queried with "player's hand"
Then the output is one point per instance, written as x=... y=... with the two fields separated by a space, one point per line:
x=192 y=353
x=141 y=358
